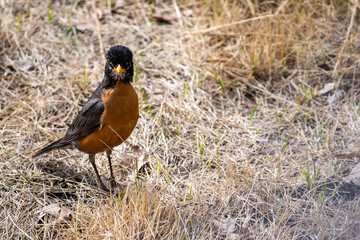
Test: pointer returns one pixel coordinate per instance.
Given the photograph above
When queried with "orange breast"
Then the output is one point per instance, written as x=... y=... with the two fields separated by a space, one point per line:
x=118 y=120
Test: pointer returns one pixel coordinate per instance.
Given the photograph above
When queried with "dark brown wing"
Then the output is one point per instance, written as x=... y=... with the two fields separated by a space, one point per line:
x=87 y=121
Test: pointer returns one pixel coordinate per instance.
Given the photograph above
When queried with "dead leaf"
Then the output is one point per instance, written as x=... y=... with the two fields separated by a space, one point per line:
x=158 y=91
x=25 y=65
x=64 y=215
x=126 y=160
x=324 y=66
x=120 y=4
x=136 y=160
x=354 y=176
x=145 y=169
x=336 y=97
x=83 y=27
x=140 y=153
x=57 y=212
x=162 y=16
x=346 y=156
x=226 y=226
x=327 y=88
x=142 y=165
x=187 y=12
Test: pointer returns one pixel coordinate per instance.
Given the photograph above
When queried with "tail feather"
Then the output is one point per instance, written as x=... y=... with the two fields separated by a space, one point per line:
x=52 y=146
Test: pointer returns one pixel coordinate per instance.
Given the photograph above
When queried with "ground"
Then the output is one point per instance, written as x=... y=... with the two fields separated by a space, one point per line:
x=248 y=128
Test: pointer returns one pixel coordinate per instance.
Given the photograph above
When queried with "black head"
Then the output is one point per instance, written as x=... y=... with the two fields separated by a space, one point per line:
x=119 y=64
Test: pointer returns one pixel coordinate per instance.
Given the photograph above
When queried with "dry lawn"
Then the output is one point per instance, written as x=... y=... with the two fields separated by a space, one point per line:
x=249 y=120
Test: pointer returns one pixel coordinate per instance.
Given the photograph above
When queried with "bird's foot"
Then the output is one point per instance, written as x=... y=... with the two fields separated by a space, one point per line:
x=110 y=185
x=114 y=186
x=103 y=187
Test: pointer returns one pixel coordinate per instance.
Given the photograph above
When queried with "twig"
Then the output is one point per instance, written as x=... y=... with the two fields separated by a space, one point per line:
x=251 y=6
x=177 y=10
x=233 y=23
x=101 y=44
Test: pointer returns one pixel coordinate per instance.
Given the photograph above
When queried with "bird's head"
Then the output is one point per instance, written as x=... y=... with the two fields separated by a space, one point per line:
x=119 y=64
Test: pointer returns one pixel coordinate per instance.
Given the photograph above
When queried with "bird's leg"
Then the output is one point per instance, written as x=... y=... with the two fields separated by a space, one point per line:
x=92 y=161
x=112 y=178
x=108 y=154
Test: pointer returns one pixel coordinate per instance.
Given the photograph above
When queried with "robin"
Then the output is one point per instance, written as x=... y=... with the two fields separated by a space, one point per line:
x=109 y=116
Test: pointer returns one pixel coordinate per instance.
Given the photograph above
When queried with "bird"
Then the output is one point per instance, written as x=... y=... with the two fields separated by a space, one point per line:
x=108 y=117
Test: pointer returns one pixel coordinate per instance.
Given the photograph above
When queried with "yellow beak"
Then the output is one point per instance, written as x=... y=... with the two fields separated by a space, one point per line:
x=118 y=69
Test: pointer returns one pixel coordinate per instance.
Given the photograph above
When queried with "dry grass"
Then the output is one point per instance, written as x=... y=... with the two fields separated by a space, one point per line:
x=215 y=173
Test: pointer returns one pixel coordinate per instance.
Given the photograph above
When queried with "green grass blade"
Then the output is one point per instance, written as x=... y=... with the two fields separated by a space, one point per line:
x=287 y=142
x=253 y=112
